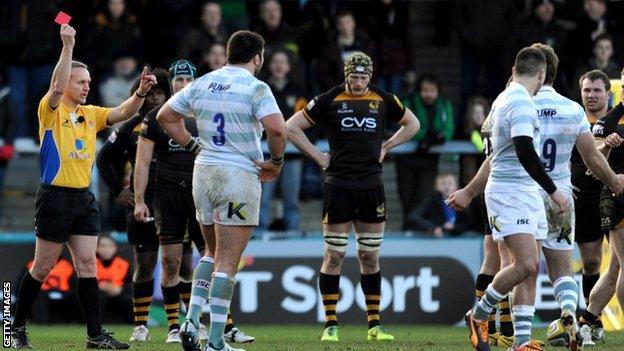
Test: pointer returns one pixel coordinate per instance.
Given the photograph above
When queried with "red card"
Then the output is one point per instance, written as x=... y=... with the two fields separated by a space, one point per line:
x=62 y=18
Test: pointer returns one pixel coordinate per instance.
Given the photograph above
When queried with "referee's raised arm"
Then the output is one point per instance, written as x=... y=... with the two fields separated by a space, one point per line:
x=62 y=71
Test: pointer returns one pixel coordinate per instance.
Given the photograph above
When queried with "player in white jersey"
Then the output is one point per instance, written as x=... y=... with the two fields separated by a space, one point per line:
x=514 y=206
x=231 y=107
x=563 y=125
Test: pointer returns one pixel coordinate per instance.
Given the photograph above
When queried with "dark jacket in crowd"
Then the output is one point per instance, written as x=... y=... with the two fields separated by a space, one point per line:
x=329 y=68
x=388 y=29
x=429 y=214
x=198 y=40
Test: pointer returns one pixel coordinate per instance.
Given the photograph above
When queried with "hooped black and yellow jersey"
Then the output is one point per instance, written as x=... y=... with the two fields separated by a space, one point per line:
x=355 y=127
x=587 y=184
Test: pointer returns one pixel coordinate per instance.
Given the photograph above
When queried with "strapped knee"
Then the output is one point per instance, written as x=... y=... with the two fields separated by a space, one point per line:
x=369 y=241
x=336 y=241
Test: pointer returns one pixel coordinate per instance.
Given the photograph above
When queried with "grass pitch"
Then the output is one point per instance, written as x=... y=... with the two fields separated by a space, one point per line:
x=296 y=338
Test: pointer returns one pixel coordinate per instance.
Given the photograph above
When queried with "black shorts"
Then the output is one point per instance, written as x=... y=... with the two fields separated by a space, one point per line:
x=587 y=210
x=140 y=234
x=484 y=215
x=342 y=205
x=611 y=211
x=61 y=212
x=174 y=211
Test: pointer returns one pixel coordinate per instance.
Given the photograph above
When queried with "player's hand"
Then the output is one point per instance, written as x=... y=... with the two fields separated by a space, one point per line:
x=68 y=35
x=268 y=170
x=618 y=187
x=460 y=199
x=141 y=212
x=147 y=82
x=561 y=201
x=613 y=140
x=125 y=198
x=323 y=161
x=437 y=232
x=382 y=154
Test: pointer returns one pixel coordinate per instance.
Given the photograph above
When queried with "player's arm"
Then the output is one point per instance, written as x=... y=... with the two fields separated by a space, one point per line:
x=172 y=123
x=145 y=152
x=596 y=162
x=461 y=198
x=274 y=126
x=132 y=105
x=295 y=127
x=409 y=127
x=62 y=70
x=532 y=164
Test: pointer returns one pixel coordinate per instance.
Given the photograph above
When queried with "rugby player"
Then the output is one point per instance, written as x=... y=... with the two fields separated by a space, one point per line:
x=119 y=149
x=511 y=185
x=354 y=115
x=612 y=219
x=231 y=107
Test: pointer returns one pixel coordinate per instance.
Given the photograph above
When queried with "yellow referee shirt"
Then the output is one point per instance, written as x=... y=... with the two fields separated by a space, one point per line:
x=68 y=142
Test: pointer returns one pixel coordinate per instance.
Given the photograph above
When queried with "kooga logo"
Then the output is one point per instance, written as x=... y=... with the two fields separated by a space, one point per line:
x=351 y=122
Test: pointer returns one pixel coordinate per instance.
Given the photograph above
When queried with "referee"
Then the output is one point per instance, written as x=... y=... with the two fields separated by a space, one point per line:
x=354 y=114
x=65 y=210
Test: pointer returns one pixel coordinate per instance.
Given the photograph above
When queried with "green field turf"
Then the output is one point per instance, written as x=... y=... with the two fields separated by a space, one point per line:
x=297 y=337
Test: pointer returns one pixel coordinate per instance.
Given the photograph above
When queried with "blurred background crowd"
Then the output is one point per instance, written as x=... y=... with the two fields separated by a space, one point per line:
x=447 y=60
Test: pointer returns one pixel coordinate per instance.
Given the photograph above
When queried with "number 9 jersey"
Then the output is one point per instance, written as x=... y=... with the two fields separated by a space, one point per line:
x=561 y=122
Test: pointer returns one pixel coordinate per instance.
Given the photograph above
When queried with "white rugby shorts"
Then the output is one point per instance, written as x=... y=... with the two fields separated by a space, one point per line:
x=511 y=213
x=226 y=195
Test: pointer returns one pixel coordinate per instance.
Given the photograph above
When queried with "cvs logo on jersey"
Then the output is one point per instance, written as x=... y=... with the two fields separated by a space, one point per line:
x=362 y=122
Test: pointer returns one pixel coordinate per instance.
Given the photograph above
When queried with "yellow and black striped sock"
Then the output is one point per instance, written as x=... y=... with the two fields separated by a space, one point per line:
x=185 y=293
x=329 y=285
x=371 y=287
x=229 y=324
x=141 y=301
x=171 y=297
x=506 y=322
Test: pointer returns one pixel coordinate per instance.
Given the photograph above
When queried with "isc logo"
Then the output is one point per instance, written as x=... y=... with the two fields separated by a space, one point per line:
x=350 y=122
x=522 y=221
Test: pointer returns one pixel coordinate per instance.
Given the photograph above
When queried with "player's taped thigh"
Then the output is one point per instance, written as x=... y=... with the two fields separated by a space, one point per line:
x=368 y=241
x=336 y=241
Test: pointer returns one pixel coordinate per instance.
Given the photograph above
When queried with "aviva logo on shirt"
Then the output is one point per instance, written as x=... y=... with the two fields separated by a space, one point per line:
x=80 y=145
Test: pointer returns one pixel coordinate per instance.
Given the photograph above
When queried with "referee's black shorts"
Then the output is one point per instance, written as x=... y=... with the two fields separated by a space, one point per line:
x=61 y=212
x=342 y=205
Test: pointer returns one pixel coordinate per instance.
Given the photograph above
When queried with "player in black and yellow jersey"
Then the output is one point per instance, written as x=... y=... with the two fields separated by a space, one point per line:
x=354 y=116
x=65 y=210
x=609 y=129
x=119 y=150
x=595 y=87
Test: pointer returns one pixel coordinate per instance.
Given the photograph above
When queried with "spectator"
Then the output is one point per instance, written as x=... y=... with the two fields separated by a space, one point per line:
x=416 y=172
x=27 y=47
x=437 y=218
x=213 y=58
x=289 y=97
x=114 y=90
x=276 y=33
x=476 y=113
x=484 y=28
x=341 y=44
x=113 y=279
x=57 y=302
x=115 y=33
x=7 y=133
x=197 y=41
x=595 y=22
x=602 y=59
x=543 y=27
x=388 y=28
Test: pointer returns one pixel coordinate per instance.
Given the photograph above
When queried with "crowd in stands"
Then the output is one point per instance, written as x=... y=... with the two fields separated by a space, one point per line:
x=306 y=44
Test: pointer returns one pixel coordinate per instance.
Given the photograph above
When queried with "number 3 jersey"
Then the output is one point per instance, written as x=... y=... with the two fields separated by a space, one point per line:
x=561 y=122
x=513 y=114
x=228 y=105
